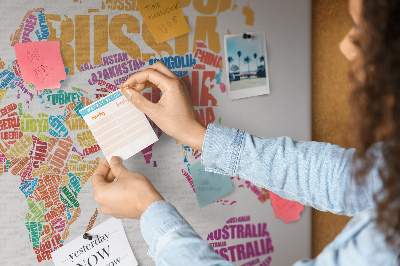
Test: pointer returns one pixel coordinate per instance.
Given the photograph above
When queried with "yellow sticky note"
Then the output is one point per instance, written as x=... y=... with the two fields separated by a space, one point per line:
x=164 y=18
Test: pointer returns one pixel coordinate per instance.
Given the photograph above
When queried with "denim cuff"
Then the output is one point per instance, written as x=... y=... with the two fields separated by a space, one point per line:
x=222 y=148
x=158 y=219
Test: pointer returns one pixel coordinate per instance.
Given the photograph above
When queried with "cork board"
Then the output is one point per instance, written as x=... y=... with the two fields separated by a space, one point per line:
x=102 y=43
x=330 y=108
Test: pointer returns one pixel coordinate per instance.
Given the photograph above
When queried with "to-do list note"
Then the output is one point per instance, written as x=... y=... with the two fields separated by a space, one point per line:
x=118 y=126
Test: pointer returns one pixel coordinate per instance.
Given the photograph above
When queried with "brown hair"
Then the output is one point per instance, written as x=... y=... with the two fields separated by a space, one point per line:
x=375 y=102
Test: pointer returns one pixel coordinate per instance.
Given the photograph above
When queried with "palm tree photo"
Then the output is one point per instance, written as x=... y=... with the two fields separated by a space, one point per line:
x=230 y=60
x=255 y=60
x=262 y=60
x=239 y=53
x=247 y=60
x=261 y=69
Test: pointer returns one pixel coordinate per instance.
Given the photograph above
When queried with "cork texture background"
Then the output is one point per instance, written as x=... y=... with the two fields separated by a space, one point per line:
x=331 y=89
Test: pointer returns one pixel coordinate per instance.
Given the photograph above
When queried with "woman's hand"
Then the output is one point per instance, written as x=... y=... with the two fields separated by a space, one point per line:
x=127 y=197
x=174 y=113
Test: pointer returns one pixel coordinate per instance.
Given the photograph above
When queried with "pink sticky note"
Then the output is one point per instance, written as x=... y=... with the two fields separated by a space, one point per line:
x=286 y=210
x=41 y=63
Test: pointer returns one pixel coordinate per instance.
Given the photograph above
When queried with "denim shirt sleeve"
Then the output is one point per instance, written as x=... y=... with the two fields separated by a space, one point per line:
x=172 y=241
x=312 y=173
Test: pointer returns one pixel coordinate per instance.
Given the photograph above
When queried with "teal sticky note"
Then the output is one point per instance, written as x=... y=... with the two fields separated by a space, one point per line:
x=209 y=186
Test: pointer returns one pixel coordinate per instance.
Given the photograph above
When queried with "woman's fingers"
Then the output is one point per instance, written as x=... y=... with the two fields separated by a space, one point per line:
x=100 y=174
x=149 y=75
x=99 y=179
x=140 y=102
x=142 y=86
x=110 y=177
x=160 y=67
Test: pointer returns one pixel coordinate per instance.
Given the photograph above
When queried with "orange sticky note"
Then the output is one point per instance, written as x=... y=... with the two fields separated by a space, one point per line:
x=41 y=64
x=164 y=18
x=284 y=209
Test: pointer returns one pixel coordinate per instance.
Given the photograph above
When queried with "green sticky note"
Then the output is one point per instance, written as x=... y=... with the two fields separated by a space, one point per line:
x=209 y=186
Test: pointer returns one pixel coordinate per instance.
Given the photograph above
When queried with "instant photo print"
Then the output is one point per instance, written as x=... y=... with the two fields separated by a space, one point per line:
x=247 y=66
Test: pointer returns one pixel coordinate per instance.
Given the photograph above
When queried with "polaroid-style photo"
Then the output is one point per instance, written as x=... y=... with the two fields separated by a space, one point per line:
x=246 y=64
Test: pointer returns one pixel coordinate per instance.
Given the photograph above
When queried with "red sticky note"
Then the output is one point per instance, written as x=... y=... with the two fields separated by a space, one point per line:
x=286 y=210
x=41 y=64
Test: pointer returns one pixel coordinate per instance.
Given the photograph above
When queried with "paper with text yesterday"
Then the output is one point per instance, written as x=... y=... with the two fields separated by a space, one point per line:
x=109 y=246
x=41 y=63
x=164 y=19
x=118 y=126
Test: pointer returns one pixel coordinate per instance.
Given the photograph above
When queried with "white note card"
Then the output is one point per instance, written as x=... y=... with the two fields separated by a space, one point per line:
x=108 y=247
x=118 y=126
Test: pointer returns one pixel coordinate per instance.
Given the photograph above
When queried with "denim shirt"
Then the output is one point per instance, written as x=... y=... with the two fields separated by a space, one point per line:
x=312 y=173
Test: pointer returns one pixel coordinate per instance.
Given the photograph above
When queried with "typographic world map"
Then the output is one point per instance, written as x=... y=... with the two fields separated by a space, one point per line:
x=44 y=140
x=48 y=146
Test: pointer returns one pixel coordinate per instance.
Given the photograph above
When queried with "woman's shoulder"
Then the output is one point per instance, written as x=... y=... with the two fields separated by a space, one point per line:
x=362 y=240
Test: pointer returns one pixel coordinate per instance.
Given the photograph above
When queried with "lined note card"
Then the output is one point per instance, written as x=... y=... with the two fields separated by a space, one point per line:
x=118 y=126
x=41 y=64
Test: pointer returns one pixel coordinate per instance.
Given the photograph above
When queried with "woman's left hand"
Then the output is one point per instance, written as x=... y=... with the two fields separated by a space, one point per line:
x=127 y=197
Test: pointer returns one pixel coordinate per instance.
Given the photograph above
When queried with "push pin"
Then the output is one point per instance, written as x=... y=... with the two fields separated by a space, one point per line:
x=87 y=236
x=124 y=88
x=246 y=36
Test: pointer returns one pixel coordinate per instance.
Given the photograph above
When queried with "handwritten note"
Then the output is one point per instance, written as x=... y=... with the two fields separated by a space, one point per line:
x=164 y=18
x=118 y=126
x=286 y=210
x=209 y=186
x=109 y=246
x=41 y=64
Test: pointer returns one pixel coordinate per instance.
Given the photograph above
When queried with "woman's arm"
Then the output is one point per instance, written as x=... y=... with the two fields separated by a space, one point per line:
x=172 y=241
x=312 y=173
x=315 y=174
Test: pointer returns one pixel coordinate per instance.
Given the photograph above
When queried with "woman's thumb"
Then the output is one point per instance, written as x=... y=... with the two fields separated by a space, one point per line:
x=117 y=167
x=138 y=100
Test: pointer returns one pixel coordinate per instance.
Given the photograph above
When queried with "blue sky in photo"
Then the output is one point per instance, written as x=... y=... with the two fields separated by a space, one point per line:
x=248 y=47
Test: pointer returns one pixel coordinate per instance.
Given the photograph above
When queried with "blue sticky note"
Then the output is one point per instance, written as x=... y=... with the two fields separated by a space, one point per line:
x=209 y=186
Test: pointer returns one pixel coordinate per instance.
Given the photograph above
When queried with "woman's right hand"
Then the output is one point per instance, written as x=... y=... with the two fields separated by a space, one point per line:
x=174 y=113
